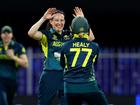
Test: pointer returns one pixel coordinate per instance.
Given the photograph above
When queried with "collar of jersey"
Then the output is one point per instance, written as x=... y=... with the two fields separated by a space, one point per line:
x=84 y=36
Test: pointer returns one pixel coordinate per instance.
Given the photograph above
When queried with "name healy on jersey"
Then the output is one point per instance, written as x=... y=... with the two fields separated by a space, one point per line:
x=81 y=44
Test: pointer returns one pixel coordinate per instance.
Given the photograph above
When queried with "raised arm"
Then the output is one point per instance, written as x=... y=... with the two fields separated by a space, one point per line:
x=33 y=32
x=78 y=12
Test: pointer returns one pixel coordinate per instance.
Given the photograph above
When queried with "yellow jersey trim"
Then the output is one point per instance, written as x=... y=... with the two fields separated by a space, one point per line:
x=44 y=44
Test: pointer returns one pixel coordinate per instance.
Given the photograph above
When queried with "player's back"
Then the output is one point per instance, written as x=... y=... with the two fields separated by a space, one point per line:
x=80 y=55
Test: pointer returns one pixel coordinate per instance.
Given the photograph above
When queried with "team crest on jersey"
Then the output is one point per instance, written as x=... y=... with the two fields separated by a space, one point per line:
x=66 y=37
x=54 y=37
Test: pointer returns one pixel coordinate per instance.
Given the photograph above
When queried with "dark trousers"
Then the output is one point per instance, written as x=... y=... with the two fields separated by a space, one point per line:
x=50 y=85
x=94 y=98
x=7 y=91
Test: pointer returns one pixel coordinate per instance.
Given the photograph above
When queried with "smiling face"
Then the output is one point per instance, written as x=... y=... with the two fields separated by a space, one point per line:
x=58 y=22
x=6 y=37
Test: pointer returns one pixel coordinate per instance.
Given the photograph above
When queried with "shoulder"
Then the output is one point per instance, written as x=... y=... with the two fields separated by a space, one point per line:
x=95 y=44
x=20 y=48
x=69 y=42
x=66 y=45
x=46 y=33
x=17 y=44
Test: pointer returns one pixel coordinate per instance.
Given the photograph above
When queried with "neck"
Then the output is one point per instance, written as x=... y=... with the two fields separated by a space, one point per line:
x=6 y=43
x=59 y=32
x=53 y=30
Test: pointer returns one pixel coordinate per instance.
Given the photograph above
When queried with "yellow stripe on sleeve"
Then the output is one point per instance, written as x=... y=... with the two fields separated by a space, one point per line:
x=44 y=44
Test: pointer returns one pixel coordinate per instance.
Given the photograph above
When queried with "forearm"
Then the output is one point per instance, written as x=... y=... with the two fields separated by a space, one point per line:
x=36 y=27
x=20 y=61
x=91 y=35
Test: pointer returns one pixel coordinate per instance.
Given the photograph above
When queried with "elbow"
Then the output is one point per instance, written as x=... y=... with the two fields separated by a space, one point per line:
x=92 y=39
x=25 y=65
x=30 y=33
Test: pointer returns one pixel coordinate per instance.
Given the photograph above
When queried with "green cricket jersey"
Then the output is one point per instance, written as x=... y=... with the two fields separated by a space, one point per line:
x=78 y=57
x=8 y=67
x=51 y=43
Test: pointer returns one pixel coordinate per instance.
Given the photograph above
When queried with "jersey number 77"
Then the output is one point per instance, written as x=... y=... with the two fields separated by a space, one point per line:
x=77 y=53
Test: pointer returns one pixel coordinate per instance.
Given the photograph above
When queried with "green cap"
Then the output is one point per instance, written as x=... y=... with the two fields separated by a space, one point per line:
x=6 y=29
x=79 y=24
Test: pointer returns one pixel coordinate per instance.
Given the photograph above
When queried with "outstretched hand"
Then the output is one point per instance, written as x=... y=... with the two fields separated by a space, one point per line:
x=78 y=12
x=49 y=13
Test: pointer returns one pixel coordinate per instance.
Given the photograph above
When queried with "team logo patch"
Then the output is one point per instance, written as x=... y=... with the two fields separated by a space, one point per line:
x=66 y=37
x=54 y=37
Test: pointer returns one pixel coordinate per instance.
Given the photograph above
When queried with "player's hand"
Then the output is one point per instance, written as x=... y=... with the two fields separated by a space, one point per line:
x=49 y=13
x=78 y=12
x=10 y=53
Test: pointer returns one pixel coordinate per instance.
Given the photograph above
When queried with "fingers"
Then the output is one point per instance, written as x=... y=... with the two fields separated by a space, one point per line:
x=77 y=9
x=51 y=10
x=80 y=9
x=74 y=15
x=78 y=12
x=48 y=14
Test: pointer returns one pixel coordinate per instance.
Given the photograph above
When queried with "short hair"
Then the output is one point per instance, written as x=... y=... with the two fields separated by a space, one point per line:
x=79 y=25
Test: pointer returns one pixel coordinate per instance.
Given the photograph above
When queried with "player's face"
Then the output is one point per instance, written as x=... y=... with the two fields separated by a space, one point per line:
x=6 y=37
x=58 y=22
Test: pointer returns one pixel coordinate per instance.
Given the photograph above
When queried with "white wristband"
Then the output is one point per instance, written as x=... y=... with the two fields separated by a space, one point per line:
x=42 y=20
